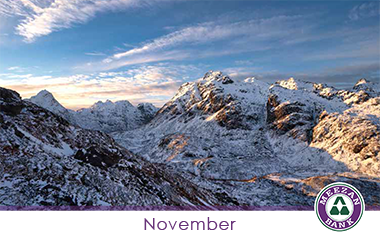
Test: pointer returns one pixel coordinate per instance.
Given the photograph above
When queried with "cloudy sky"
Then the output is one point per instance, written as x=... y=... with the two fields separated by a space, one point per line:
x=89 y=50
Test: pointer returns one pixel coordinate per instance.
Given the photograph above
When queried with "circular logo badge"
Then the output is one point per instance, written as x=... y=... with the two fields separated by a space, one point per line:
x=339 y=206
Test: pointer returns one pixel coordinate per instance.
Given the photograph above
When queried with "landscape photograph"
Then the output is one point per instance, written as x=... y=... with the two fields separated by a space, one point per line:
x=187 y=105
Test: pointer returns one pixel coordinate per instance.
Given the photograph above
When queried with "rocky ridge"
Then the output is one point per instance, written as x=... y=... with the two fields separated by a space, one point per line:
x=224 y=130
x=103 y=116
x=263 y=144
x=44 y=160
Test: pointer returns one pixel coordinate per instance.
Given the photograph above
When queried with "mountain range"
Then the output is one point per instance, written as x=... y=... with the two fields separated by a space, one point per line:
x=218 y=141
x=103 y=116
x=46 y=161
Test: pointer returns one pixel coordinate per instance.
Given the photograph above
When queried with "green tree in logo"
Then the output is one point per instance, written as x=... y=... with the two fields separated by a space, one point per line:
x=334 y=210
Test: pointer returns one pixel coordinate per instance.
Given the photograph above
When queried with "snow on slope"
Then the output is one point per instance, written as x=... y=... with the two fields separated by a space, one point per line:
x=262 y=144
x=343 y=123
x=352 y=137
x=46 y=161
x=103 y=116
x=372 y=88
x=248 y=133
x=215 y=121
x=46 y=100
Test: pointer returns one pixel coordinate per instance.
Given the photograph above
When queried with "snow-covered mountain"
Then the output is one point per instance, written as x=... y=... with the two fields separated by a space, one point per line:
x=221 y=141
x=115 y=117
x=46 y=100
x=343 y=123
x=371 y=88
x=103 y=116
x=47 y=161
x=252 y=135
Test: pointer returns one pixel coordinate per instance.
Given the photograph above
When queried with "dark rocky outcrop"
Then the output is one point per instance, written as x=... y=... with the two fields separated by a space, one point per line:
x=352 y=139
x=8 y=96
x=99 y=157
x=293 y=118
x=208 y=97
x=10 y=102
x=44 y=160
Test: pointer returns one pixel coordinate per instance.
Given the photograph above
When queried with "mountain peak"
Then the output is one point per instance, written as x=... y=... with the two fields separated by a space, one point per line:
x=124 y=103
x=295 y=84
x=44 y=92
x=361 y=81
x=47 y=100
x=370 y=87
x=109 y=105
x=44 y=96
x=101 y=104
x=146 y=105
x=217 y=76
x=106 y=116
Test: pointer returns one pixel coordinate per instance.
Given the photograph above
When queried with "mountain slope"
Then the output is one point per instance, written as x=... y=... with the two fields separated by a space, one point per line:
x=207 y=109
x=343 y=123
x=46 y=100
x=46 y=161
x=257 y=137
x=371 y=88
x=111 y=117
x=352 y=137
x=213 y=120
x=107 y=117
x=263 y=144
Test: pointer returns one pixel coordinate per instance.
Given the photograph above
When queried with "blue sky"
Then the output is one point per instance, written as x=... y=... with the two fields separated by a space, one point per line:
x=89 y=50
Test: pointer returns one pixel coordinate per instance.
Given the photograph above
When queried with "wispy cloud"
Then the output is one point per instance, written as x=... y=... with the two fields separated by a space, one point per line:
x=42 y=17
x=20 y=70
x=201 y=41
x=216 y=31
x=147 y=83
x=359 y=44
x=14 y=68
x=105 y=65
x=95 y=54
x=365 y=10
